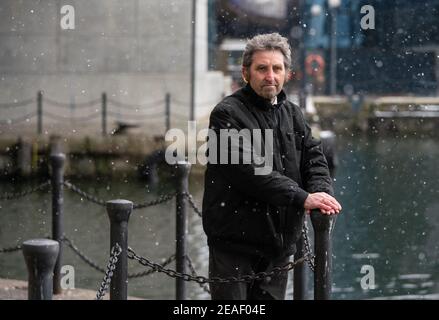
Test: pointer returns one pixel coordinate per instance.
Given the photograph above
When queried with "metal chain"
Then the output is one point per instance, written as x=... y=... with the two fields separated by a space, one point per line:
x=161 y=199
x=114 y=254
x=10 y=249
x=13 y=196
x=200 y=279
x=148 y=272
x=70 y=104
x=307 y=248
x=192 y=203
x=194 y=273
x=308 y=252
x=82 y=255
x=101 y=202
x=85 y=194
x=17 y=103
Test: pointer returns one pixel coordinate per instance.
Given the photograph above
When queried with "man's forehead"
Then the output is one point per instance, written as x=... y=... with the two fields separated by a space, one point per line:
x=268 y=57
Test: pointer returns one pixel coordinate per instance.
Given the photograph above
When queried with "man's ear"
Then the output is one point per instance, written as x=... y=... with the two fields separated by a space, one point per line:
x=244 y=74
x=288 y=76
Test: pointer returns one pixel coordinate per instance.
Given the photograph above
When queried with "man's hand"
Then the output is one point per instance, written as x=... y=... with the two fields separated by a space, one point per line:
x=323 y=201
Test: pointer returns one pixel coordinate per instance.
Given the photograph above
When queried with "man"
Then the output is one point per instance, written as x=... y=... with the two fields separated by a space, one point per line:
x=252 y=221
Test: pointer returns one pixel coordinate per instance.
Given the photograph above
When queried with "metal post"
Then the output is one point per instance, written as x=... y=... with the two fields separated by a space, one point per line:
x=104 y=114
x=40 y=112
x=40 y=256
x=323 y=225
x=333 y=65
x=183 y=169
x=167 y=111
x=193 y=39
x=57 y=161
x=119 y=212
x=302 y=56
x=299 y=273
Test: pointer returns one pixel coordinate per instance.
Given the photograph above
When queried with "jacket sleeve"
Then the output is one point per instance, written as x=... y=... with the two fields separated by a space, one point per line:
x=315 y=171
x=273 y=188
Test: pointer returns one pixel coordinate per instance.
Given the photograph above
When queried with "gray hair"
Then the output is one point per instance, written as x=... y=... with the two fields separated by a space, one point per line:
x=268 y=41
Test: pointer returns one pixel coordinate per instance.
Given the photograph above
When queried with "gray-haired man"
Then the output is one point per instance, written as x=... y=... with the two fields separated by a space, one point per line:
x=252 y=221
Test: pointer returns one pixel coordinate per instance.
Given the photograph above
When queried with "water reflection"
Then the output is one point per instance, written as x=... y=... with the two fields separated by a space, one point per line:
x=388 y=188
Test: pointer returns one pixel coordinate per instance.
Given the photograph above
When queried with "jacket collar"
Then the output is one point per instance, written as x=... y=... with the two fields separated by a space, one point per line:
x=257 y=100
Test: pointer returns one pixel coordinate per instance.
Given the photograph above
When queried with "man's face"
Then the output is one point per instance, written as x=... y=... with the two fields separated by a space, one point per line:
x=267 y=74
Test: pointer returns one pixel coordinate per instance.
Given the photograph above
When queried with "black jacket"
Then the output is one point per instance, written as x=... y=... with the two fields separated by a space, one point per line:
x=262 y=214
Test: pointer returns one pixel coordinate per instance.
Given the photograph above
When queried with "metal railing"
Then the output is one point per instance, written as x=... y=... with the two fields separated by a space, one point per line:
x=116 y=272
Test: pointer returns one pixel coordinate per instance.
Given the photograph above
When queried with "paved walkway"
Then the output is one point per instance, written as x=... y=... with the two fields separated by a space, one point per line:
x=11 y=289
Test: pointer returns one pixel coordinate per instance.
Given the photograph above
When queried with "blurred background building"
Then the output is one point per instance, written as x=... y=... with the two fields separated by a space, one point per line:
x=398 y=57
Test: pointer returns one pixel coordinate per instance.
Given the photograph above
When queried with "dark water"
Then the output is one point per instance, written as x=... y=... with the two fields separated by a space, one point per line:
x=389 y=189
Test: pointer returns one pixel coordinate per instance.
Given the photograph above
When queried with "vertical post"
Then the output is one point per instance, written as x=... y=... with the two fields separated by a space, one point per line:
x=24 y=158
x=40 y=112
x=104 y=114
x=119 y=212
x=167 y=111
x=333 y=5
x=299 y=273
x=40 y=256
x=323 y=226
x=183 y=169
x=57 y=179
x=302 y=56
x=193 y=39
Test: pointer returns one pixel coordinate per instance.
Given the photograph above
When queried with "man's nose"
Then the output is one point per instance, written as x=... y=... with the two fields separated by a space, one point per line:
x=269 y=76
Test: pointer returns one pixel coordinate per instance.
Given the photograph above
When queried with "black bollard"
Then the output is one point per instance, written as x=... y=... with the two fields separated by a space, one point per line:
x=40 y=112
x=299 y=280
x=323 y=225
x=104 y=113
x=329 y=145
x=119 y=212
x=40 y=256
x=183 y=169
x=167 y=112
x=57 y=179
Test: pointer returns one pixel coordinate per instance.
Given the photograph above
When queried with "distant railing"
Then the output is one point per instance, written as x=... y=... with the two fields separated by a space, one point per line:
x=126 y=114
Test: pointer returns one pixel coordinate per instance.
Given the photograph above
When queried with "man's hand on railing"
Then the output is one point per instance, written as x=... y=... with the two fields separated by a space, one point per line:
x=323 y=201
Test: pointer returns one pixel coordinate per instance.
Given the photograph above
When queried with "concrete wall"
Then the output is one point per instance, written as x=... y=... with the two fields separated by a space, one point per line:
x=135 y=50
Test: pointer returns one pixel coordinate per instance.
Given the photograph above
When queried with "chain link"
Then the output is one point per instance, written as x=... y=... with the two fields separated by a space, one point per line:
x=10 y=249
x=200 y=279
x=14 y=196
x=194 y=273
x=307 y=248
x=161 y=199
x=114 y=254
x=148 y=272
x=101 y=202
x=82 y=255
x=192 y=203
x=85 y=194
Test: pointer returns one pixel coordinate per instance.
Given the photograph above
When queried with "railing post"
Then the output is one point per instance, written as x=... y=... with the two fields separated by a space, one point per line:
x=299 y=273
x=183 y=169
x=40 y=256
x=57 y=179
x=119 y=212
x=168 y=111
x=323 y=225
x=104 y=114
x=40 y=112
